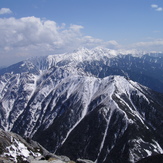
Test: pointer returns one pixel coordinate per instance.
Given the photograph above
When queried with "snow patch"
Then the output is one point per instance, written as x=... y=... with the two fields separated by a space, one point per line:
x=18 y=149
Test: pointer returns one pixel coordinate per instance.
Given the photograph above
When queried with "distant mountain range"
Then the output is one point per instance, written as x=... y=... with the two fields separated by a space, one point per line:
x=89 y=104
x=147 y=69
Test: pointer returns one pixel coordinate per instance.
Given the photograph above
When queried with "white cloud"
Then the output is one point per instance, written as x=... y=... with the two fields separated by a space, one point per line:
x=155 y=45
x=156 y=7
x=31 y=36
x=159 y=9
x=76 y=28
x=156 y=42
x=5 y=11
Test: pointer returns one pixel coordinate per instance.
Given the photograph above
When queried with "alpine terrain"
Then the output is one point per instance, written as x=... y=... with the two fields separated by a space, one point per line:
x=87 y=104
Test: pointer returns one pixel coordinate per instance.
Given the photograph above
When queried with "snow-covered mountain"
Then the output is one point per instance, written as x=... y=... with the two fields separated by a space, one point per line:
x=146 y=69
x=84 y=105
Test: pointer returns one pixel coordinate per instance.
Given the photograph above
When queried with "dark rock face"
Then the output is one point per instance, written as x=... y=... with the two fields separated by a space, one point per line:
x=107 y=133
x=84 y=109
x=152 y=159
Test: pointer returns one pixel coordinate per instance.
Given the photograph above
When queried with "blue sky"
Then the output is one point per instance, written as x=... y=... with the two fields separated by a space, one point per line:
x=41 y=27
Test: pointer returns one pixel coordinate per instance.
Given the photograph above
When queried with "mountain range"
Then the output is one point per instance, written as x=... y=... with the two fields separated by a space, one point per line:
x=90 y=104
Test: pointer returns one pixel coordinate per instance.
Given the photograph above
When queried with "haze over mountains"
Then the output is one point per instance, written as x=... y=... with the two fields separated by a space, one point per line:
x=88 y=104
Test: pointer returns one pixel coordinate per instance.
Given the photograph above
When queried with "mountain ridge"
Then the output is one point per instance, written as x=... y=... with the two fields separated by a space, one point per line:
x=144 y=68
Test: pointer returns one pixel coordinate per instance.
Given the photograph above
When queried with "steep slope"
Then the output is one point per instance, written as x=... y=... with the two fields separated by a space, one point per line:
x=73 y=104
x=105 y=111
x=117 y=118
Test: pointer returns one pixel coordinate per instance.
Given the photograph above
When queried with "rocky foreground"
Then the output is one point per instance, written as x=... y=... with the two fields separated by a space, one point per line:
x=15 y=149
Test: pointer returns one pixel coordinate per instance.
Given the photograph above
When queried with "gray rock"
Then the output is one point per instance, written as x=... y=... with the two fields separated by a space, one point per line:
x=83 y=161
